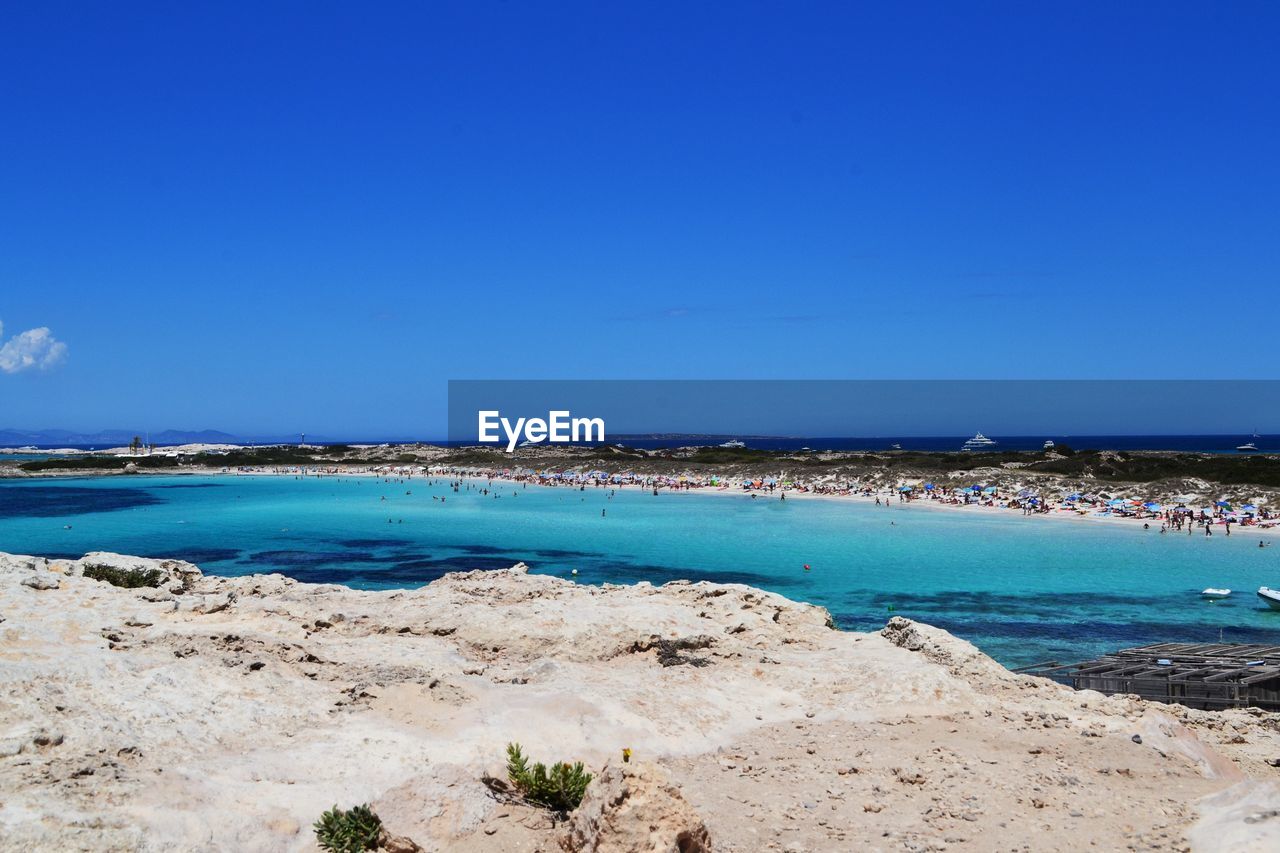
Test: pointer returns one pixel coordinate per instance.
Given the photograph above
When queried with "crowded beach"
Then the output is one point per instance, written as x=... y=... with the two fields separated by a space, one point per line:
x=1183 y=513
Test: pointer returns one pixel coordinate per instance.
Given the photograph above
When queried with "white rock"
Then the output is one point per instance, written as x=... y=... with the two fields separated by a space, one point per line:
x=41 y=580
x=634 y=808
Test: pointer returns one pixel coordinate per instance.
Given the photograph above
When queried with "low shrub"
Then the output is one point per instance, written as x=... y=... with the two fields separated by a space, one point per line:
x=348 y=830
x=560 y=788
x=127 y=578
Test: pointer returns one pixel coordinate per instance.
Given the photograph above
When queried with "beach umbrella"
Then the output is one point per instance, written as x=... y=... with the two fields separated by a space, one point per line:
x=1222 y=503
x=929 y=486
x=1074 y=496
x=1249 y=508
x=989 y=490
x=1153 y=506
x=905 y=489
x=1116 y=502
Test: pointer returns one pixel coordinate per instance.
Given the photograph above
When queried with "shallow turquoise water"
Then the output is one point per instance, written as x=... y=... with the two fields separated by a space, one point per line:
x=1023 y=589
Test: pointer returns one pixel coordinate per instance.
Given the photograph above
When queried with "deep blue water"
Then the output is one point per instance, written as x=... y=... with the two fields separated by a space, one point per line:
x=1023 y=589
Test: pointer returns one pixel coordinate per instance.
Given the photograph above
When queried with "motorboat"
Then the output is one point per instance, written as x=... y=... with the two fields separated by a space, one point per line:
x=734 y=444
x=1248 y=447
x=1048 y=445
x=1270 y=596
x=979 y=442
x=895 y=446
x=1213 y=592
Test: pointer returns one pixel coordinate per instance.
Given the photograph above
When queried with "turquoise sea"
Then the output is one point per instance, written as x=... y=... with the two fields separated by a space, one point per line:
x=1023 y=589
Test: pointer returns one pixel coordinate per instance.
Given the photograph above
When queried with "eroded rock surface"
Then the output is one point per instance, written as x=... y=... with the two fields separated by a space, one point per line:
x=211 y=713
x=635 y=807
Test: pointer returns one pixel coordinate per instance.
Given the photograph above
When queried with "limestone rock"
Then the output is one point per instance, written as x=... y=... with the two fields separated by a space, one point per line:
x=388 y=843
x=18 y=563
x=218 y=718
x=41 y=580
x=634 y=808
x=902 y=632
x=174 y=571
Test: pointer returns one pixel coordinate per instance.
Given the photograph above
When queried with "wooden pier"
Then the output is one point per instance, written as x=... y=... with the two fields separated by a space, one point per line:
x=1199 y=675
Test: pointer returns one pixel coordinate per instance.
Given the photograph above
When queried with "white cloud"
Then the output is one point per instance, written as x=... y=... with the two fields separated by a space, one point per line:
x=34 y=348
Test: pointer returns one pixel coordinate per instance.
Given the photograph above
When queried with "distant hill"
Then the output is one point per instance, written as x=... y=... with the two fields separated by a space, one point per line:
x=112 y=437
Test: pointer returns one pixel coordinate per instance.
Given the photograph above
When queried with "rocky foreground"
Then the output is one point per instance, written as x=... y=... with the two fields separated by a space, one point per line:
x=228 y=713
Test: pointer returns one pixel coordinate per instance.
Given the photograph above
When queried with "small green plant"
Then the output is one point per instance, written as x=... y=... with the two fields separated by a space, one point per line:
x=127 y=578
x=348 y=830
x=560 y=789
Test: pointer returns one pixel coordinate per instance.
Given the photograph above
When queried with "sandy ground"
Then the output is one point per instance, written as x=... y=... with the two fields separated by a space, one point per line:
x=226 y=714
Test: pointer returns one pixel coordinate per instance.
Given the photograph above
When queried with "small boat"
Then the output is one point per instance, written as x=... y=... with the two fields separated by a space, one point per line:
x=1048 y=445
x=734 y=444
x=979 y=442
x=1248 y=447
x=1270 y=596
x=1213 y=592
x=895 y=446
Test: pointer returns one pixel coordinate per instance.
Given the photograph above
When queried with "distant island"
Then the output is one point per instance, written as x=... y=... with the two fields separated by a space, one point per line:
x=109 y=437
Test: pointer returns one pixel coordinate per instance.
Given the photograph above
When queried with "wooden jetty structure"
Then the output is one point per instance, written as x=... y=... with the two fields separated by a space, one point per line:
x=1209 y=676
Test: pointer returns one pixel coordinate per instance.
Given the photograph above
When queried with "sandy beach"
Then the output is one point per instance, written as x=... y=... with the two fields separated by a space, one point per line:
x=1262 y=504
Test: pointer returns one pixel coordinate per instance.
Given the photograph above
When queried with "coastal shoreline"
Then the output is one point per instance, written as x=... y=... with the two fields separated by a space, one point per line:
x=887 y=496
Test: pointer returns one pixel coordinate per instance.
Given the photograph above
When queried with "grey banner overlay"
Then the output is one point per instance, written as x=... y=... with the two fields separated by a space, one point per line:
x=878 y=407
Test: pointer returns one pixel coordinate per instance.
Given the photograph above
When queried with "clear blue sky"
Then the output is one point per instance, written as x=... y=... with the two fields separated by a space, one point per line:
x=286 y=216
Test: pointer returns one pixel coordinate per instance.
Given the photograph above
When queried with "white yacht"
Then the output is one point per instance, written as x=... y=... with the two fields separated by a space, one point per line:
x=1270 y=596
x=1048 y=445
x=1248 y=447
x=734 y=444
x=979 y=442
